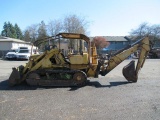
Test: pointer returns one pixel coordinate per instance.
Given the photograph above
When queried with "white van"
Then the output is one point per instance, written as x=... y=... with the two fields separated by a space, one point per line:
x=23 y=54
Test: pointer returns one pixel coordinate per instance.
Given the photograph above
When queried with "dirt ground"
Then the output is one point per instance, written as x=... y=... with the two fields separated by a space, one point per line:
x=105 y=98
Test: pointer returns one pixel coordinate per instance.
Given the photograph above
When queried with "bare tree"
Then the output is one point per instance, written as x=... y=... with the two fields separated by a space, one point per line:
x=35 y=31
x=144 y=29
x=74 y=24
x=54 y=27
x=141 y=31
x=155 y=31
x=31 y=33
x=70 y=24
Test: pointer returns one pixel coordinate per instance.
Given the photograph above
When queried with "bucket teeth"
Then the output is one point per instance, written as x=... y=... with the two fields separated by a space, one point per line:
x=129 y=72
x=14 y=77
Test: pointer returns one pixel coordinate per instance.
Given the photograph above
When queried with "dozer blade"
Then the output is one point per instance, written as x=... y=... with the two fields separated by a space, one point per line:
x=14 y=77
x=129 y=72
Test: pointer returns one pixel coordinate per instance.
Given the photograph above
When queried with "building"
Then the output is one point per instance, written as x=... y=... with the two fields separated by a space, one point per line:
x=7 y=44
x=116 y=43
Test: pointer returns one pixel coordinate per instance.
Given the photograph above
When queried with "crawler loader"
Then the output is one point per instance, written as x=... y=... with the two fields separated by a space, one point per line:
x=53 y=68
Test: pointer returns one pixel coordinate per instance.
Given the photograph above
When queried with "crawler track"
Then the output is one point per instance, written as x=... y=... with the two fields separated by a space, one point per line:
x=52 y=77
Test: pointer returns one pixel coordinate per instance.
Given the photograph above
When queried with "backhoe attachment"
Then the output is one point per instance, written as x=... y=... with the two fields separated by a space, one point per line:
x=129 y=71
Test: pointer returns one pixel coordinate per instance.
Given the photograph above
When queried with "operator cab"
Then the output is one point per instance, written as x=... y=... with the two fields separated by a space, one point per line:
x=72 y=51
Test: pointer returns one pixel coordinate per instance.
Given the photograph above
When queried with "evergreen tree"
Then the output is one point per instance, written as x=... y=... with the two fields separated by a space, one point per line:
x=8 y=30
x=27 y=36
x=5 y=30
x=18 y=32
x=42 y=32
x=11 y=31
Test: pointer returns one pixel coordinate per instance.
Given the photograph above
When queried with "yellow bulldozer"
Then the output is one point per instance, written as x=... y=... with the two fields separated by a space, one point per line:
x=53 y=68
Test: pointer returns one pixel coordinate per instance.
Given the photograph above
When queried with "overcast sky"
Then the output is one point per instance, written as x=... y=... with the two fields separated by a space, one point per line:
x=106 y=17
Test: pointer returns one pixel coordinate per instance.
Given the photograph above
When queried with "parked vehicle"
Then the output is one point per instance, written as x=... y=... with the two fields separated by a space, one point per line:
x=23 y=54
x=11 y=55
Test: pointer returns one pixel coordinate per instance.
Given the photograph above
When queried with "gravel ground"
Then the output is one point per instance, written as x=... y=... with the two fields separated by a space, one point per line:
x=105 y=98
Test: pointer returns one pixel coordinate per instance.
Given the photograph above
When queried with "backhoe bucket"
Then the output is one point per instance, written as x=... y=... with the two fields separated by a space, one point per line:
x=14 y=77
x=129 y=72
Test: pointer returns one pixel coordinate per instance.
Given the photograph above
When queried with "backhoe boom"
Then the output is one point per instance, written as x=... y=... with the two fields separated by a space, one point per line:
x=129 y=71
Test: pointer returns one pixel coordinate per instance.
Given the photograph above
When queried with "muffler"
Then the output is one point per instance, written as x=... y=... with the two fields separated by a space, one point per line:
x=14 y=77
x=129 y=72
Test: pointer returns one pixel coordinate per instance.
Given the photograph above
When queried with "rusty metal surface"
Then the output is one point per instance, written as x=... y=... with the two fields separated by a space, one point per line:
x=14 y=77
x=79 y=78
x=129 y=72
x=50 y=77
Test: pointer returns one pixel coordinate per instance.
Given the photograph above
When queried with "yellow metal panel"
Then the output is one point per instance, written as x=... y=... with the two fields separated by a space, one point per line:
x=78 y=67
x=92 y=71
x=76 y=59
x=34 y=56
x=85 y=58
x=94 y=54
x=79 y=59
